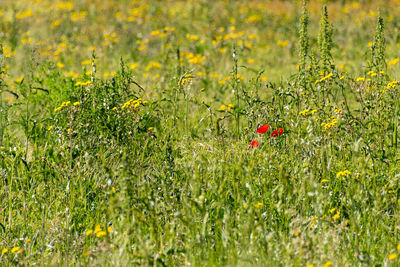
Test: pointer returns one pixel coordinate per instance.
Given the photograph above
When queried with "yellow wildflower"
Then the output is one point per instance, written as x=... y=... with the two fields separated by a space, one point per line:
x=97 y=228
x=222 y=108
x=343 y=173
x=336 y=216
x=101 y=234
x=304 y=112
x=393 y=62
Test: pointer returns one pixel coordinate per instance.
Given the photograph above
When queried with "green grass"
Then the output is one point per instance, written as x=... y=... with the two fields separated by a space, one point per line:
x=144 y=166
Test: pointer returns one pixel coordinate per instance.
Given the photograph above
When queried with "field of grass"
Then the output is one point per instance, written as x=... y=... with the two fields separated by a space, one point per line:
x=199 y=133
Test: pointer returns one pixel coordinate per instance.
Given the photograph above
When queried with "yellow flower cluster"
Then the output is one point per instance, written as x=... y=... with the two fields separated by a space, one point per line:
x=98 y=231
x=234 y=35
x=307 y=111
x=195 y=59
x=132 y=104
x=110 y=38
x=192 y=37
x=187 y=79
x=153 y=64
x=7 y=51
x=343 y=173
x=331 y=123
x=226 y=108
x=13 y=250
x=392 y=84
x=143 y=44
x=83 y=83
x=324 y=78
x=393 y=62
x=64 y=104
x=283 y=43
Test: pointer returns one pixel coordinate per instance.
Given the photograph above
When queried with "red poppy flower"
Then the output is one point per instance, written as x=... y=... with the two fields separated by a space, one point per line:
x=253 y=144
x=277 y=132
x=263 y=129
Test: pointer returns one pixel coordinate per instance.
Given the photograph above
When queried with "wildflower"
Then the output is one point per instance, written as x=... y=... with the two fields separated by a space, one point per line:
x=398 y=247
x=277 y=132
x=263 y=129
x=393 y=62
x=4 y=251
x=133 y=66
x=101 y=234
x=64 y=104
x=222 y=108
x=28 y=240
x=343 y=173
x=83 y=83
x=328 y=264
x=86 y=62
x=89 y=232
x=392 y=256
x=153 y=64
x=76 y=104
x=330 y=124
x=254 y=144
x=14 y=249
x=304 y=112
x=50 y=128
x=337 y=215
x=133 y=104
x=283 y=43
x=392 y=84
x=360 y=79
x=97 y=228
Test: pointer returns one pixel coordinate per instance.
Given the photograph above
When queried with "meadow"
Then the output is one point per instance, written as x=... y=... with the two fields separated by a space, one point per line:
x=199 y=133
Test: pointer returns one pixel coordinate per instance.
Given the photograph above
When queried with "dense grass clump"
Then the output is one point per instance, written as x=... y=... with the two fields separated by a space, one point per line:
x=200 y=133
